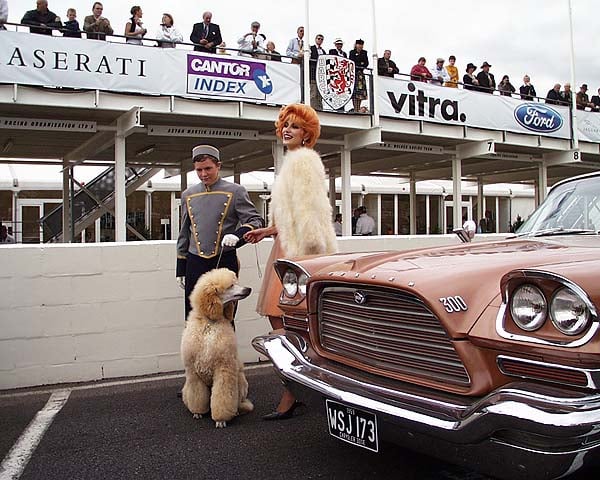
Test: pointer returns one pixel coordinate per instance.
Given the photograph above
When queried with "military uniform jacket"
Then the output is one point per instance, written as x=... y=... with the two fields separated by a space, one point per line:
x=210 y=213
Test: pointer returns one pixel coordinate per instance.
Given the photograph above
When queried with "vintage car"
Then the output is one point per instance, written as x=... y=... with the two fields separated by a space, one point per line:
x=486 y=354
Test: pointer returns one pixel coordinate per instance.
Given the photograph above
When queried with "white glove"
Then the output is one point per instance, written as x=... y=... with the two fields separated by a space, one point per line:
x=181 y=282
x=230 y=240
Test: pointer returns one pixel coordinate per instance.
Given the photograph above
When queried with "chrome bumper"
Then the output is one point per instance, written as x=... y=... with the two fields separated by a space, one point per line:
x=529 y=419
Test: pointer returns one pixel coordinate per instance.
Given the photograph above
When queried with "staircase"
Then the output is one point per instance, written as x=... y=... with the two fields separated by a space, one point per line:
x=95 y=199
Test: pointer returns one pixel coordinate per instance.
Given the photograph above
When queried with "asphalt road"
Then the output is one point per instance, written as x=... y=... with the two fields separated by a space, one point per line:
x=142 y=430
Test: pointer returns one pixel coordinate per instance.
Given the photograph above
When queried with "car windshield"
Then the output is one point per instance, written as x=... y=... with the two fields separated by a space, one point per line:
x=573 y=207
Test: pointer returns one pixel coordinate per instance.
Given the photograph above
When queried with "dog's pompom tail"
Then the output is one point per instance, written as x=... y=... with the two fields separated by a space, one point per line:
x=245 y=406
x=220 y=424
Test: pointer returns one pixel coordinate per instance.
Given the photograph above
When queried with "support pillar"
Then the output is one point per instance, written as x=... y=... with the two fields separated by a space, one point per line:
x=120 y=197
x=346 y=172
x=396 y=214
x=332 y=194
x=456 y=193
x=277 y=149
x=480 y=200
x=66 y=198
x=413 y=204
x=542 y=182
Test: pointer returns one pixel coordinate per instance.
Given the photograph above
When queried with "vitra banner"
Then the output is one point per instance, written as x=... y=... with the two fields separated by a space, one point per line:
x=454 y=106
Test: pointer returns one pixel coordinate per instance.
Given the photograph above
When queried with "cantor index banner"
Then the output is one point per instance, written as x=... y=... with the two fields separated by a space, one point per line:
x=31 y=59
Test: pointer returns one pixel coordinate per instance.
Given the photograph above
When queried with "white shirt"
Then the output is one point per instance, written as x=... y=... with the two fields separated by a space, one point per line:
x=439 y=72
x=337 y=227
x=470 y=227
x=169 y=34
x=246 y=43
x=364 y=225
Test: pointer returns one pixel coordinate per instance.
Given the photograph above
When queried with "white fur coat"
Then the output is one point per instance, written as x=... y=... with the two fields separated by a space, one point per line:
x=300 y=207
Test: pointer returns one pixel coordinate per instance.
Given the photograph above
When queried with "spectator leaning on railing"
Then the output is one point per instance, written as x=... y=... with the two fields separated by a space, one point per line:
x=71 y=28
x=206 y=35
x=43 y=18
x=96 y=26
x=167 y=35
x=419 y=72
x=452 y=72
x=553 y=96
x=527 y=90
x=487 y=83
x=582 y=100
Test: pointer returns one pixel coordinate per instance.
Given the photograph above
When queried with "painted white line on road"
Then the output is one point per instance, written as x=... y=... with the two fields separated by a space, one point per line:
x=17 y=458
x=116 y=383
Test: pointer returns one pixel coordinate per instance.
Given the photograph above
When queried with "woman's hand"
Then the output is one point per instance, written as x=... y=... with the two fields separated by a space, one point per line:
x=255 y=236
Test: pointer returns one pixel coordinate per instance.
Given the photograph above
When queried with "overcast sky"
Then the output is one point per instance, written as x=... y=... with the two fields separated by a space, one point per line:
x=515 y=36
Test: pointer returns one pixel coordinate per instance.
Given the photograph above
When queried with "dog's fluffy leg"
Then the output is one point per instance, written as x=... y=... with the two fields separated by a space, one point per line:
x=244 y=405
x=195 y=394
x=224 y=397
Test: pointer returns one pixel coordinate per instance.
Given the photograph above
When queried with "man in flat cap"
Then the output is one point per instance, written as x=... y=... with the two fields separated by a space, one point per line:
x=215 y=216
x=439 y=73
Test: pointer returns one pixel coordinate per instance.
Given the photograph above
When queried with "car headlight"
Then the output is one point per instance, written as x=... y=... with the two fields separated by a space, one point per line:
x=302 y=279
x=568 y=312
x=290 y=283
x=528 y=307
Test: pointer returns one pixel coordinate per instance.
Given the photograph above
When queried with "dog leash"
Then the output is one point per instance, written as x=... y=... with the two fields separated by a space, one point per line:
x=220 y=255
x=257 y=261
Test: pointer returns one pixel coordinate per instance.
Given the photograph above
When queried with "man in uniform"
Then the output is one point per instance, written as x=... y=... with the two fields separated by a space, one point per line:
x=215 y=216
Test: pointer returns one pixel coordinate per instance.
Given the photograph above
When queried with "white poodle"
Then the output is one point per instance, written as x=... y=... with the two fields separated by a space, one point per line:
x=214 y=376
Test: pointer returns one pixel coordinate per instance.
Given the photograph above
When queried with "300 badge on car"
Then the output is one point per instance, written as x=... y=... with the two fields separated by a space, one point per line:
x=352 y=425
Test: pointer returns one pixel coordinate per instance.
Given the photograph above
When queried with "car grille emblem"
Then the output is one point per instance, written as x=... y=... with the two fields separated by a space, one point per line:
x=360 y=297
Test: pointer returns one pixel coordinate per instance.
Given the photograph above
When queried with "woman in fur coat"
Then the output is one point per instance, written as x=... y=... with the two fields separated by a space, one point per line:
x=300 y=216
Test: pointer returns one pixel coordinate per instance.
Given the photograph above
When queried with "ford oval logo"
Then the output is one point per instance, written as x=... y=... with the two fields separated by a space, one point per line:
x=360 y=297
x=538 y=118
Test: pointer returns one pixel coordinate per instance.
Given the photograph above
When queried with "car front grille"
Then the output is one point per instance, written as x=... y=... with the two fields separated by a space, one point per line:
x=392 y=331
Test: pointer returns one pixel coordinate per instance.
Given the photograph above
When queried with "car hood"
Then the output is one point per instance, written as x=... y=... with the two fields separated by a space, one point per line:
x=471 y=271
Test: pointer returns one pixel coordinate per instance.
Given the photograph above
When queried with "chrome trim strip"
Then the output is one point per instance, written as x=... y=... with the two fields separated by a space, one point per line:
x=592 y=374
x=529 y=273
x=514 y=407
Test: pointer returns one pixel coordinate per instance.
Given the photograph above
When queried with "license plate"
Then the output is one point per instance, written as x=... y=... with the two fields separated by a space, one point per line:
x=352 y=425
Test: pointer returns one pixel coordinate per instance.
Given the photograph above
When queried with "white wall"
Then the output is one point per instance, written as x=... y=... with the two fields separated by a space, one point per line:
x=71 y=313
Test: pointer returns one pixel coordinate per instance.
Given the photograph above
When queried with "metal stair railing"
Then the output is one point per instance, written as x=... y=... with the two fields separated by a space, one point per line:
x=93 y=200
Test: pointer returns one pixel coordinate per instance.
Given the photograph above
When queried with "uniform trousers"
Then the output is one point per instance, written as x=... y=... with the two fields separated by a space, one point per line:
x=197 y=266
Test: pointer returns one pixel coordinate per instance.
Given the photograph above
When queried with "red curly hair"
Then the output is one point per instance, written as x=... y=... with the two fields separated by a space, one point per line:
x=305 y=117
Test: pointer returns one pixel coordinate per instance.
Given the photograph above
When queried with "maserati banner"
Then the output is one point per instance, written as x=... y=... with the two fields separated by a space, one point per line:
x=455 y=106
x=79 y=63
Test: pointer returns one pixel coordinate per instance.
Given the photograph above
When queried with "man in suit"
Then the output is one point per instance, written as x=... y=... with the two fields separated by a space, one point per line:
x=338 y=48
x=385 y=66
x=206 y=35
x=487 y=83
x=316 y=50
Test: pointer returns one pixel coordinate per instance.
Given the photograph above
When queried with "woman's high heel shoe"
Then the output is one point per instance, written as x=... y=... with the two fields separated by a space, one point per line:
x=289 y=413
